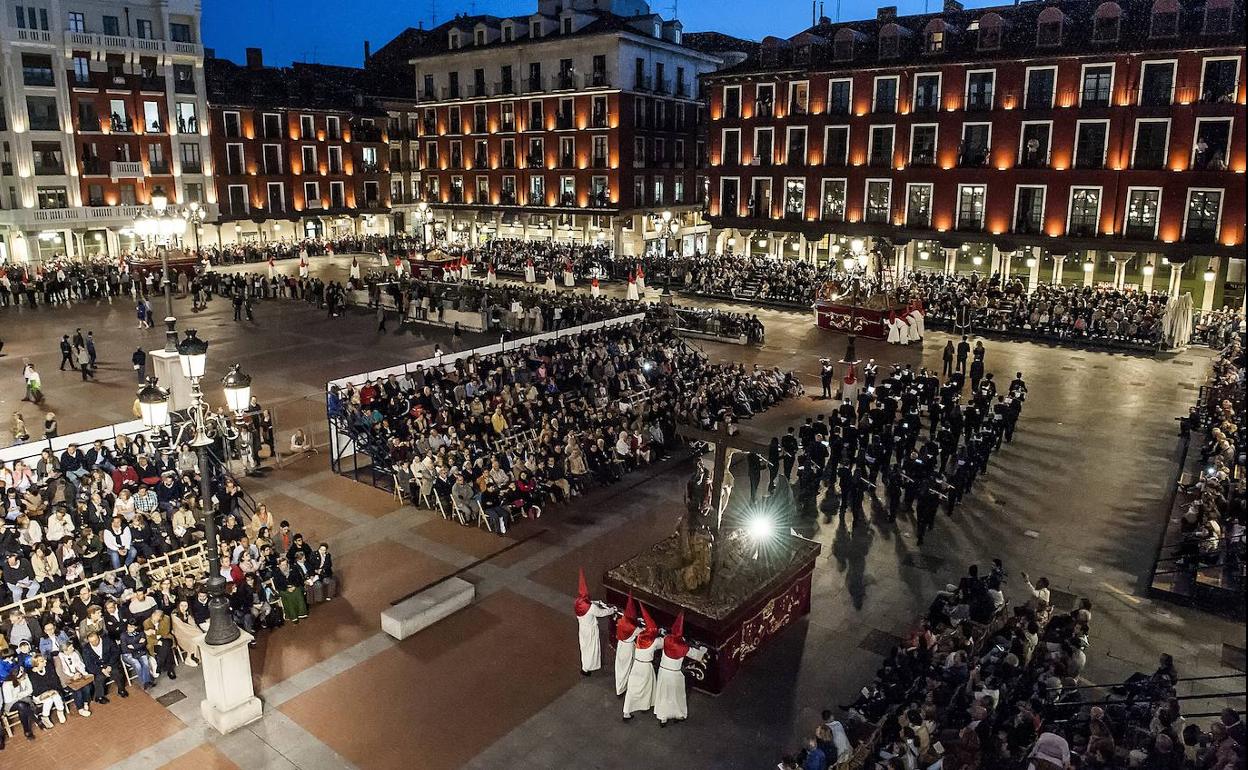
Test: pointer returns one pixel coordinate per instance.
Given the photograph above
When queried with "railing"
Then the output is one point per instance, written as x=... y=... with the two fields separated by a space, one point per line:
x=123 y=43
x=89 y=212
x=119 y=169
x=190 y=560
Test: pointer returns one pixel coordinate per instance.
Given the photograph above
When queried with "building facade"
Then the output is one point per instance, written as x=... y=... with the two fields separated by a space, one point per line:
x=581 y=122
x=299 y=152
x=1067 y=141
x=99 y=106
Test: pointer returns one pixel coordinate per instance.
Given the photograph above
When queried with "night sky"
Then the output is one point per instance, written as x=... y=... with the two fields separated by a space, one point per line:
x=334 y=32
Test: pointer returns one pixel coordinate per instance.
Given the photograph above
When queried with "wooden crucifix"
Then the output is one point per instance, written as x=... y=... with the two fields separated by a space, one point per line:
x=726 y=439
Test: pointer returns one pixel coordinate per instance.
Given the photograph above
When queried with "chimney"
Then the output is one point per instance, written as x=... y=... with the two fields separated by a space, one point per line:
x=886 y=13
x=368 y=52
x=952 y=6
x=255 y=59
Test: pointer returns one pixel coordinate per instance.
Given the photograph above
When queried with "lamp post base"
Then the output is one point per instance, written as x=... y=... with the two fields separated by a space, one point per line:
x=171 y=335
x=230 y=701
x=168 y=369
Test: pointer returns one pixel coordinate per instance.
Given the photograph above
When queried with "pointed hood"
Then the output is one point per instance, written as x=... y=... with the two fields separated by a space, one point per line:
x=650 y=632
x=582 y=594
x=674 y=644
x=627 y=623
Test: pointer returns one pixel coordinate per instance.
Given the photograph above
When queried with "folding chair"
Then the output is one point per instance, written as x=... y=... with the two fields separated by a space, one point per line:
x=482 y=519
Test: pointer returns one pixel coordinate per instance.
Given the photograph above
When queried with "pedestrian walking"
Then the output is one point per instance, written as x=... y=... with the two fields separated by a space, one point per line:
x=139 y=361
x=91 y=354
x=964 y=350
x=66 y=351
x=947 y=359
x=34 y=385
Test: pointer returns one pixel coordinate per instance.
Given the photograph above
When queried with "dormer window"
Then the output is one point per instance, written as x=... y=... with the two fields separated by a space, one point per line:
x=1217 y=17
x=1106 y=23
x=509 y=33
x=454 y=39
x=1049 y=27
x=990 y=28
x=567 y=25
x=480 y=37
x=890 y=46
x=935 y=42
x=535 y=29
x=843 y=45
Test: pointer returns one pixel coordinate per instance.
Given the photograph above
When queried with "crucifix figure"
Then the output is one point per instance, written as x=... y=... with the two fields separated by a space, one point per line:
x=726 y=441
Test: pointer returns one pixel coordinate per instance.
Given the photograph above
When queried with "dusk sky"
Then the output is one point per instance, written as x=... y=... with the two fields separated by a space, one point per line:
x=334 y=32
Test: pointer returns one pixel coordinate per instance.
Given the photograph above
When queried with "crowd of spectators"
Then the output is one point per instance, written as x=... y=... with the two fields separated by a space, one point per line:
x=491 y=438
x=104 y=591
x=512 y=256
x=979 y=684
x=1211 y=524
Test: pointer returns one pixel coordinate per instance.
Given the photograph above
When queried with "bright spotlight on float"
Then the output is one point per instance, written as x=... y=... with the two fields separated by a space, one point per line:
x=760 y=528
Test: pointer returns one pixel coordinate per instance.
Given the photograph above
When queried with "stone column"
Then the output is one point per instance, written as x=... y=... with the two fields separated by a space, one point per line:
x=1033 y=272
x=1058 y=264
x=229 y=700
x=1210 y=283
x=1150 y=266
x=899 y=262
x=951 y=260
x=1176 y=278
x=1088 y=274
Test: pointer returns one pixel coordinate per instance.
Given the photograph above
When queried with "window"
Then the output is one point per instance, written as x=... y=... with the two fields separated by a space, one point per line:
x=312 y=194
x=232 y=124
x=934 y=42
x=37 y=70
x=598 y=156
x=185 y=116
x=923 y=144
x=890 y=42
x=180 y=33
x=27 y=18
x=879 y=192
x=537 y=154
x=1143 y=204
x=271 y=158
x=152 y=123
x=979 y=87
x=57 y=198
x=796 y=146
x=764 y=149
x=989 y=37
x=183 y=79
x=1040 y=88
x=1098 y=81
x=732 y=101
x=480 y=122
x=310 y=166
x=536 y=117
x=276 y=193
x=599 y=191
x=760 y=200
x=1029 y=210
x=1090 y=139
x=1218 y=80
x=237 y=195
x=919 y=205
x=880 y=149
x=88 y=118
x=839 y=94
x=971 y=206
x=836 y=146
x=1213 y=137
x=193 y=192
x=795 y=199
x=82 y=70
x=1204 y=211
x=42 y=113
x=76 y=22
x=1156 y=83
x=1106 y=23
x=191 y=161
x=567 y=152
x=333 y=127
x=729 y=197
x=832 y=201
x=927 y=92
x=112 y=26
x=47 y=158
x=507 y=194
x=507 y=117
x=143 y=29
x=976 y=140
x=118 y=115
x=598 y=73
x=1049 y=27
x=885 y=95
x=335 y=160
x=1152 y=141
x=95 y=195
x=1034 y=144
x=127 y=195
x=1085 y=212
x=843 y=45
x=337 y=195
x=799 y=98
x=234 y=159
x=537 y=191
x=1164 y=21
x=1217 y=17
x=457 y=155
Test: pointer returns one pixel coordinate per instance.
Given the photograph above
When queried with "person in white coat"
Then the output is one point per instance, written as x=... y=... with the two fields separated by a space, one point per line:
x=625 y=643
x=639 y=695
x=569 y=280
x=530 y=275
x=593 y=288
x=916 y=317
x=641 y=279
x=355 y=269
x=272 y=268
x=894 y=334
x=589 y=635
x=303 y=267
x=670 y=699
x=550 y=282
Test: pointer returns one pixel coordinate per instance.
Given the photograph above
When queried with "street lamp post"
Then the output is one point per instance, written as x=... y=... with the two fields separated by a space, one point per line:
x=230 y=700
x=668 y=227
x=424 y=216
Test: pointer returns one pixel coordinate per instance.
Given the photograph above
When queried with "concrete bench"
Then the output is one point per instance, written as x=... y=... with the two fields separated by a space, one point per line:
x=427 y=607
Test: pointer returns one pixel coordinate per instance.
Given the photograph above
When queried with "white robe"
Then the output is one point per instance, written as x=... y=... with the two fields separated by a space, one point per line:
x=641 y=282
x=670 y=700
x=303 y=269
x=918 y=322
x=894 y=336
x=632 y=291
x=593 y=289
x=589 y=636
x=530 y=275
x=639 y=696
x=490 y=277
x=550 y=282
x=272 y=270
x=913 y=330
x=568 y=279
x=355 y=271
x=624 y=661
x=903 y=332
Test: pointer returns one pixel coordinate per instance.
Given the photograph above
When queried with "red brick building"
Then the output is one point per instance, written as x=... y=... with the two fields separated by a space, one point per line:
x=298 y=151
x=1101 y=135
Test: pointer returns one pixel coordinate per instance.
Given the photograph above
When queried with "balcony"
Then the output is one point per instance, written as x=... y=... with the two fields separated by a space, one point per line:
x=123 y=44
x=565 y=81
x=366 y=133
x=1089 y=161
x=970 y=225
x=480 y=161
x=507 y=198
x=923 y=159
x=1034 y=159
x=120 y=125
x=535 y=161
x=533 y=85
x=1203 y=234
x=192 y=167
x=1139 y=232
x=975 y=157
x=37 y=77
x=563 y=121
x=662 y=86
x=508 y=161
x=30 y=35
x=124 y=169
x=567 y=161
x=923 y=104
x=158 y=168
x=682 y=88
x=598 y=119
x=642 y=83
x=451 y=92
x=49 y=169
x=1027 y=225
x=504 y=88
x=597 y=80
x=599 y=161
x=477 y=90
x=184 y=86
x=156 y=84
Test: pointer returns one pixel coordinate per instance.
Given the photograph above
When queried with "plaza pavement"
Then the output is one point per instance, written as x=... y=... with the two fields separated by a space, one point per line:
x=1076 y=497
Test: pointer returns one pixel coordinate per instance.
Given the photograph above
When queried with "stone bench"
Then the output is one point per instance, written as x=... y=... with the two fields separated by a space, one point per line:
x=426 y=607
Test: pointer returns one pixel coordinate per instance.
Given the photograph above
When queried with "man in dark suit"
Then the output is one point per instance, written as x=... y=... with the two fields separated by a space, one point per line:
x=103 y=661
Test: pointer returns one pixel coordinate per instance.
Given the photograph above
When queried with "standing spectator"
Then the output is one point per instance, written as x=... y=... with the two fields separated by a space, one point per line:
x=139 y=361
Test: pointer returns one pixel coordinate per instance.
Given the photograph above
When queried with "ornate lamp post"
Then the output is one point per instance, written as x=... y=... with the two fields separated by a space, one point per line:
x=667 y=227
x=229 y=701
x=424 y=218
